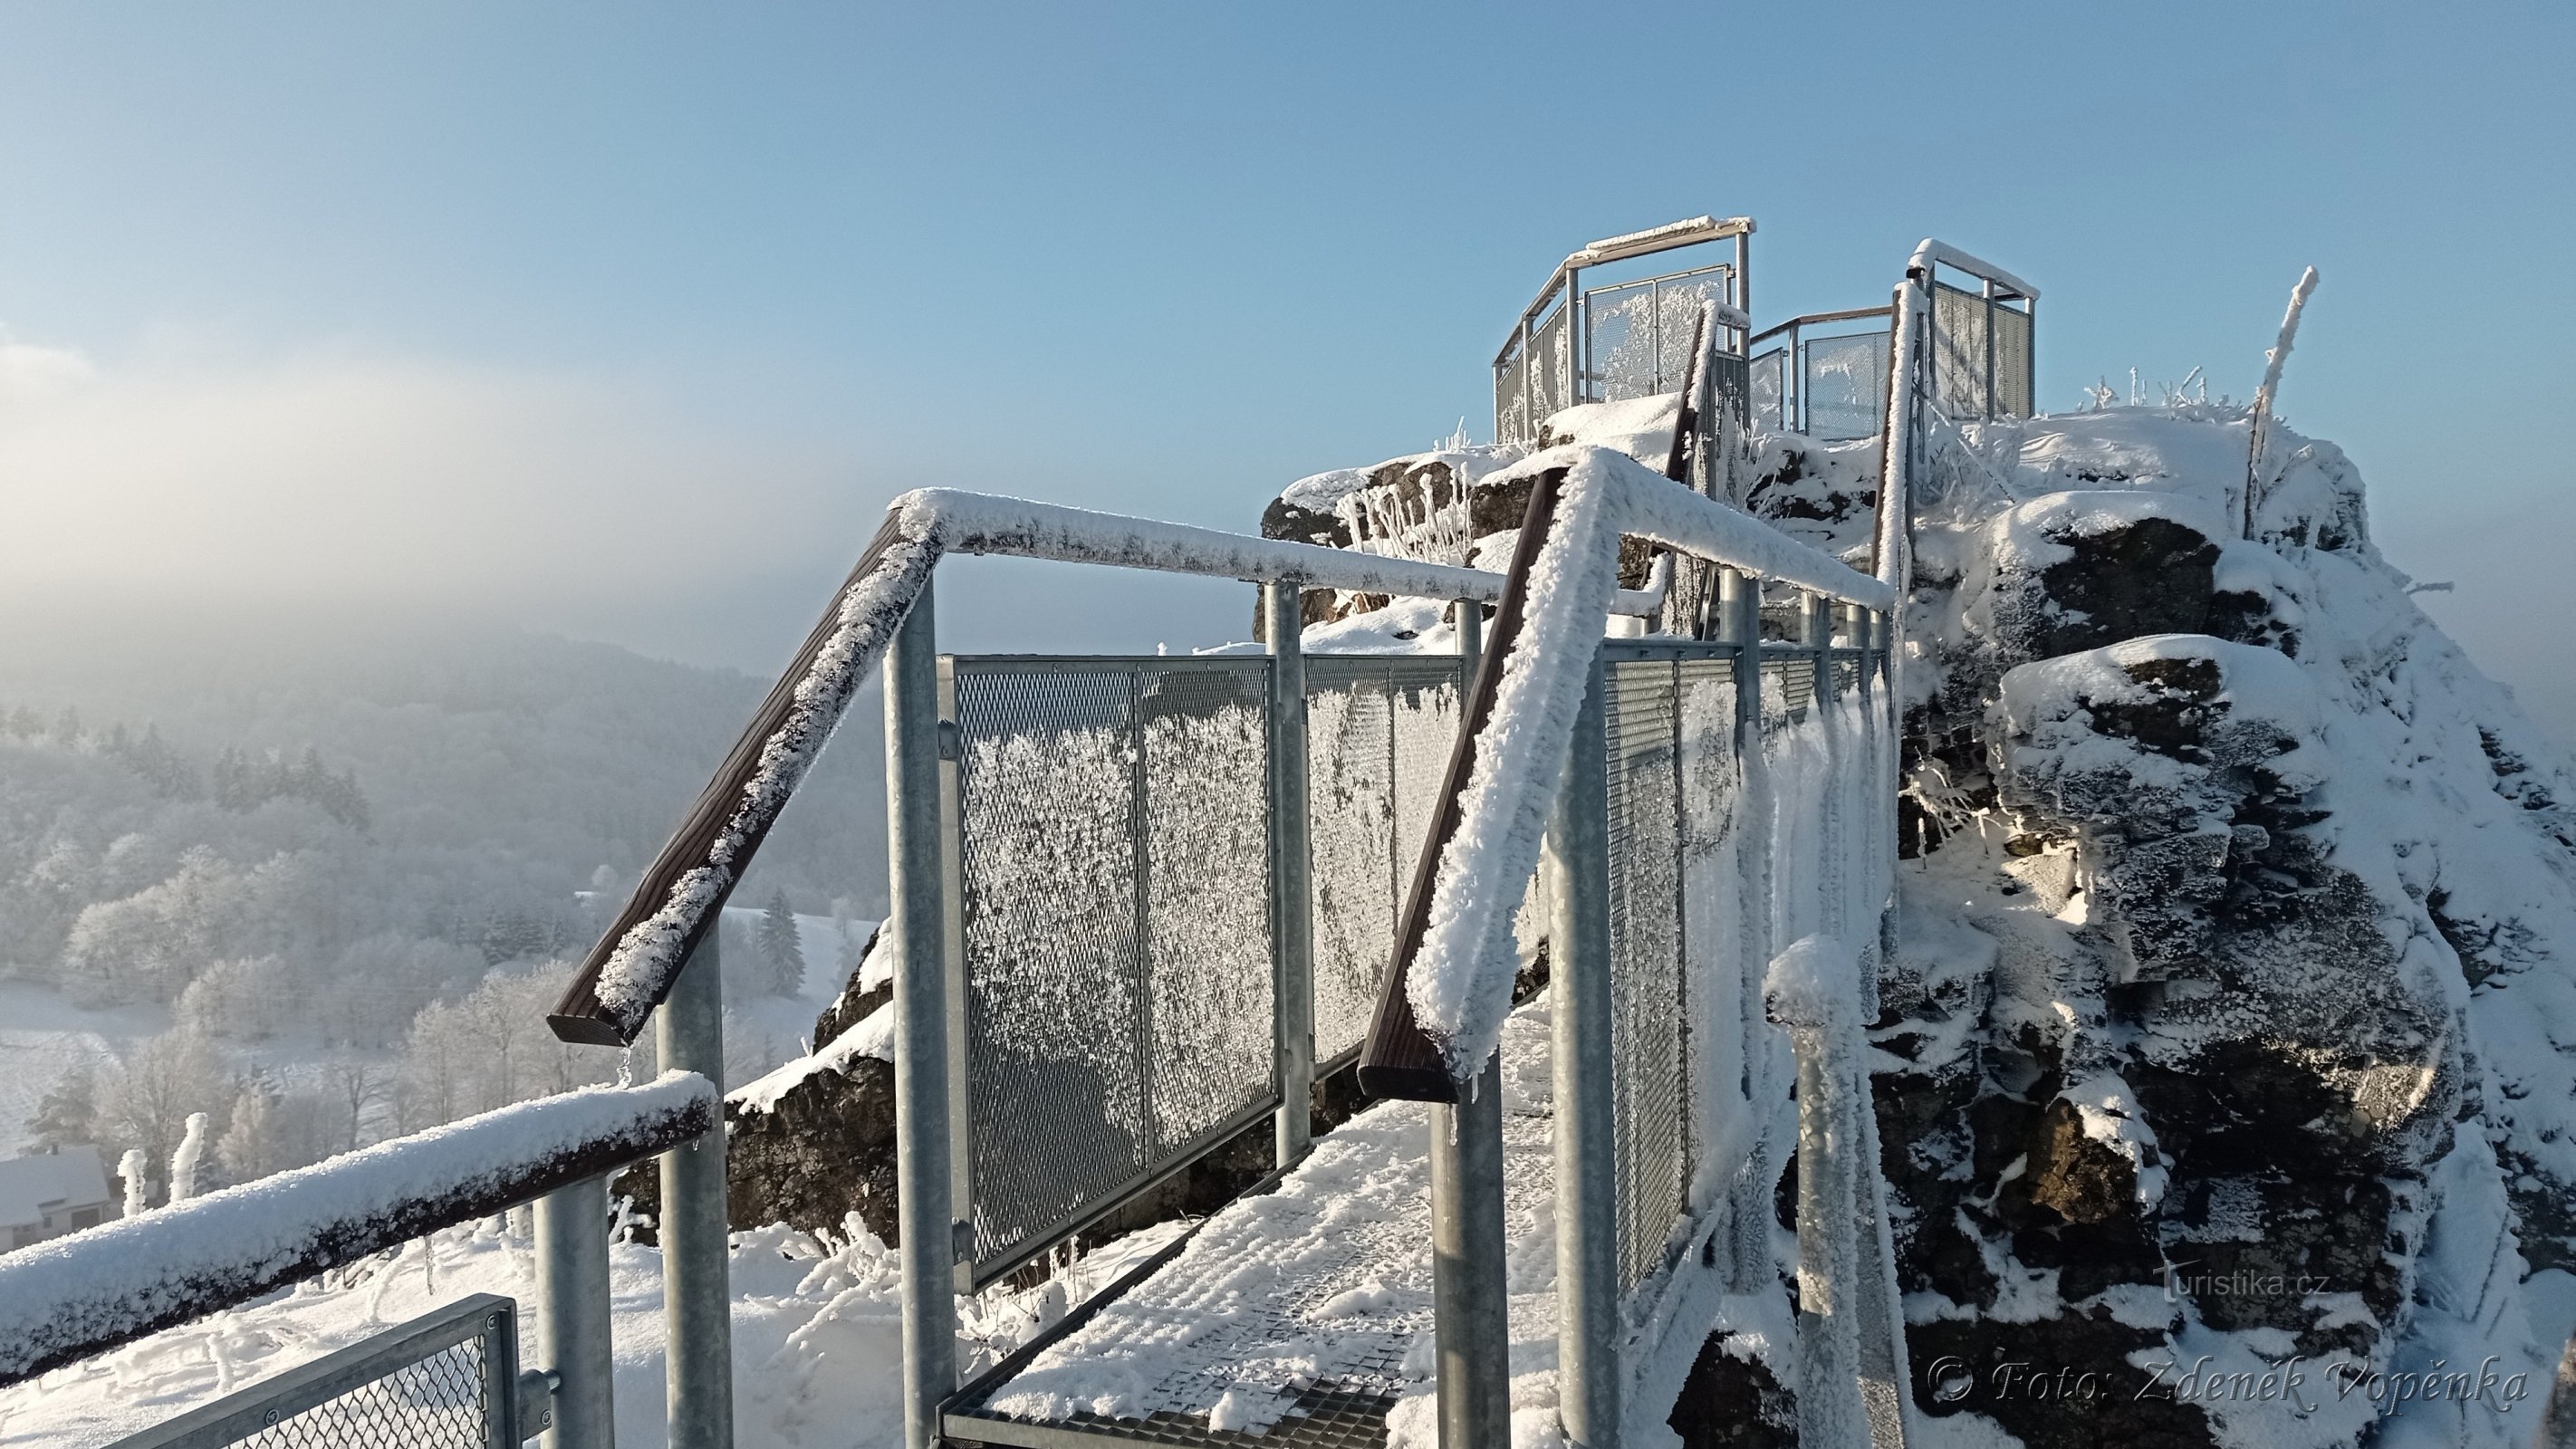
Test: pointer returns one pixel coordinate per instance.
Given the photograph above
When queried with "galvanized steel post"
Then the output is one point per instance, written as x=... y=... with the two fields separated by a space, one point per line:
x=697 y=1294
x=1587 y=1203
x=1469 y=1285
x=572 y=1315
x=1292 y=920
x=1749 y=1208
x=1816 y=631
x=923 y=1220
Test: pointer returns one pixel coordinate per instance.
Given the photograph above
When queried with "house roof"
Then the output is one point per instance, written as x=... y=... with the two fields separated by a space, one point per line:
x=51 y=1181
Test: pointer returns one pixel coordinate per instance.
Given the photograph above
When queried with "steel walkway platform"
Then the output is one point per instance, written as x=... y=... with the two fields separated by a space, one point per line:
x=1297 y=1316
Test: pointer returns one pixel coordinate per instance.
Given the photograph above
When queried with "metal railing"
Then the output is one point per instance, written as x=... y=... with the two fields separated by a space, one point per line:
x=452 y=1377
x=1824 y=376
x=1624 y=339
x=1981 y=365
x=1089 y=729
x=448 y=1379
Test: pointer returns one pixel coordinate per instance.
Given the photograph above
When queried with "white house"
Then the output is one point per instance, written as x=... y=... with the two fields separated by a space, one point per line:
x=50 y=1194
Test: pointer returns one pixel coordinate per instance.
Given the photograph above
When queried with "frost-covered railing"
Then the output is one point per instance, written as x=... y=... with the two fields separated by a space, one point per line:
x=1113 y=846
x=1700 y=802
x=1982 y=360
x=1823 y=376
x=1624 y=339
x=884 y=612
x=83 y=1295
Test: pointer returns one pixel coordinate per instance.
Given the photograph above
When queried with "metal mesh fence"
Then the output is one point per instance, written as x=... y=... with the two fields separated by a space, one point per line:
x=1551 y=380
x=442 y=1381
x=1769 y=372
x=1378 y=735
x=1114 y=941
x=1647 y=1006
x=1638 y=334
x=2012 y=362
x=1959 y=355
x=1842 y=386
x=1788 y=682
x=1981 y=363
x=441 y=1400
x=1512 y=422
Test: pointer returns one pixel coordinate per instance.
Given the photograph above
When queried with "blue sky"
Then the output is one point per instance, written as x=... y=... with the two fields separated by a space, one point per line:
x=627 y=319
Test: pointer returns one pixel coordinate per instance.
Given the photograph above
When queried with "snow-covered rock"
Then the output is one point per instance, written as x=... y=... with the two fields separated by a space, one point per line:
x=2225 y=1021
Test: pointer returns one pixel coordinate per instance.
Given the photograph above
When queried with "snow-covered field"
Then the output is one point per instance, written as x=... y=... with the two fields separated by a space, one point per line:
x=817 y=1337
x=43 y=1035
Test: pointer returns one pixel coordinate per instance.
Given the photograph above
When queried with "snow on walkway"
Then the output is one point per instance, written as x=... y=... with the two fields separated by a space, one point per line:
x=1304 y=1313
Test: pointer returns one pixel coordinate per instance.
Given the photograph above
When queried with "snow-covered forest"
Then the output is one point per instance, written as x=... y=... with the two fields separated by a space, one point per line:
x=317 y=881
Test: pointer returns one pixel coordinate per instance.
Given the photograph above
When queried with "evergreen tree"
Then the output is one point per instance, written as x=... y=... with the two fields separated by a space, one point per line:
x=68 y=1115
x=779 y=948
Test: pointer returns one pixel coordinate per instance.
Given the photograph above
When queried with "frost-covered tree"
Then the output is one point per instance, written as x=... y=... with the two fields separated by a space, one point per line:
x=779 y=949
x=490 y=1048
x=144 y=1100
x=241 y=999
x=68 y=1114
x=273 y=1129
x=354 y=1089
x=147 y=946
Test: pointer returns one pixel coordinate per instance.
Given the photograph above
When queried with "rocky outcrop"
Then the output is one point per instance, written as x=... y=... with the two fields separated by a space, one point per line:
x=2190 y=1057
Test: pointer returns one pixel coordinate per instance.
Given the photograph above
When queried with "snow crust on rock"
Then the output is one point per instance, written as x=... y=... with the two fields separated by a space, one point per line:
x=871 y=1036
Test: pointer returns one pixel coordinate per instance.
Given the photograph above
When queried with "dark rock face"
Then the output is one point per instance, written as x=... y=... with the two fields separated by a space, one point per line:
x=823 y=1152
x=2208 y=1094
x=1731 y=1402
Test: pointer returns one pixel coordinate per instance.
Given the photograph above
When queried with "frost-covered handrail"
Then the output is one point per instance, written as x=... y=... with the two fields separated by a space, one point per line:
x=75 y=1296
x=1909 y=340
x=1670 y=235
x=1457 y=986
x=1929 y=251
x=630 y=969
x=1814 y=319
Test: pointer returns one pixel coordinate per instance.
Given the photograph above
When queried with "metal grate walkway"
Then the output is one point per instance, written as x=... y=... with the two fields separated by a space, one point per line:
x=1293 y=1318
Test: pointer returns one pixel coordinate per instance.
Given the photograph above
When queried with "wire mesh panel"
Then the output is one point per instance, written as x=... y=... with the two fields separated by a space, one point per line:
x=1647 y=1006
x=1788 y=682
x=442 y=1381
x=1959 y=352
x=1379 y=731
x=1552 y=362
x=1842 y=386
x=1769 y=384
x=1638 y=334
x=2013 y=382
x=1714 y=975
x=1113 y=941
x=1512 y=421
